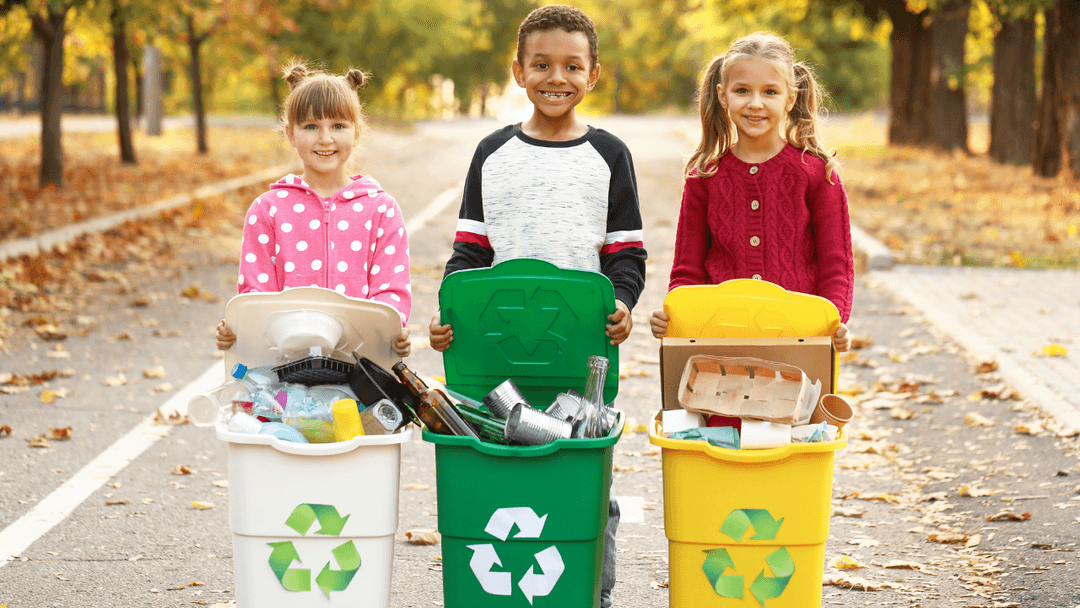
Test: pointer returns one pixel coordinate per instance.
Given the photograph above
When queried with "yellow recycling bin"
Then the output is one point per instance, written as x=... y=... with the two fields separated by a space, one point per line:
x=746 y=528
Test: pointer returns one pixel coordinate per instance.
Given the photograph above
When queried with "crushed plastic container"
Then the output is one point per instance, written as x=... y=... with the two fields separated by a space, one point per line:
x=523 y=526
x=313 y=524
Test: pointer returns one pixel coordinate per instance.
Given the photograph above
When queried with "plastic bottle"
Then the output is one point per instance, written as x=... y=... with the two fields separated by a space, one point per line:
x=217 y=405
x=253 y=392
x=434 y=408
x=268 y=396
x=591 y=420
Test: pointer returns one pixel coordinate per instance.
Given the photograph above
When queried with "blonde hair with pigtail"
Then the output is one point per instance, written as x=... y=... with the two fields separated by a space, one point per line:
x=718 y=134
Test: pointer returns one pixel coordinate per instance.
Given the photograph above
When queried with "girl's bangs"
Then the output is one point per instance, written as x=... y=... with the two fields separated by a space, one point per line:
x=322 y=100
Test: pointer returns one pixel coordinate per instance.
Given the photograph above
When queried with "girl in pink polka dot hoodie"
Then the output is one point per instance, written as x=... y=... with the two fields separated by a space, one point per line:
x=325 y=228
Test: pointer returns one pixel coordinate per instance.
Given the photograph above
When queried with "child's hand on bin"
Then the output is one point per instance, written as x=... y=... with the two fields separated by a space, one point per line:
x=225 y=338
x=440 y=336
x=841 y=340
x=658 y=323
x=620 y=323
x=402 y=345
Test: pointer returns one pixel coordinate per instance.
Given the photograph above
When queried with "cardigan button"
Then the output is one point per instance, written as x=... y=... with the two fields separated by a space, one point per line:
x=755 y=205
x=756 y=277
x=753 y=170
x=754 y=241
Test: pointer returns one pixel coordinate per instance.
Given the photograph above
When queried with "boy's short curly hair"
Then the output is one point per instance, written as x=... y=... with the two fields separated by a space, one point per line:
x=558 y=16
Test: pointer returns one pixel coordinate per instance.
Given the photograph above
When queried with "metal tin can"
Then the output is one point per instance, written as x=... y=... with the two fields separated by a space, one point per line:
x=532 y=427
x=502 y=399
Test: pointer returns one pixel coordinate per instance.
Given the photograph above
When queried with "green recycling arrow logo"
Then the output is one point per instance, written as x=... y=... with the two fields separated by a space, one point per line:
x=284 y=553
x=717 y=561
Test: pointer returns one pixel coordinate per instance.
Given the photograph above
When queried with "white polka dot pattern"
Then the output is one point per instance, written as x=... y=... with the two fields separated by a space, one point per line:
x=355 y=257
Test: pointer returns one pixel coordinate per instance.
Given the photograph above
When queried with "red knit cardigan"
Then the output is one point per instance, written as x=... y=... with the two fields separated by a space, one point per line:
x=780 y=221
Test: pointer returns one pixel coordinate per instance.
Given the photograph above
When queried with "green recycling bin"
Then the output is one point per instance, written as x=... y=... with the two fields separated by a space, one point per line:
x=523 y=526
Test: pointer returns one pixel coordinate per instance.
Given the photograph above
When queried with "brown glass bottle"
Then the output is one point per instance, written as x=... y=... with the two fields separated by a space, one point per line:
x=433 y=407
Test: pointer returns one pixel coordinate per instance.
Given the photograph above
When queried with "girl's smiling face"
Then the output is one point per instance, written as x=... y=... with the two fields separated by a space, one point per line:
x=324 y=146
x=756 y=97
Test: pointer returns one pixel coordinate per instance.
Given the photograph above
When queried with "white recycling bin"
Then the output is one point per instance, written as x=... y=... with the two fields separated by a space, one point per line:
x=313 y=523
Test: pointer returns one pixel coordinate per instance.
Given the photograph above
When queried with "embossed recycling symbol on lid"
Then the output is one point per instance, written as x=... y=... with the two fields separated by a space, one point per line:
x=284 y=553
x=485 y=557
x=528 y=326
x=717 y=561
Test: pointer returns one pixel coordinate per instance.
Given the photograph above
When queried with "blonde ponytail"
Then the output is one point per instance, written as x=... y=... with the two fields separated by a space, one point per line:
x=717 y=132
x=803 y=118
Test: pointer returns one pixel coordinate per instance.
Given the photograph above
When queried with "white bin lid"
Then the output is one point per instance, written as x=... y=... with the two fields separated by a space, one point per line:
x=369 y=328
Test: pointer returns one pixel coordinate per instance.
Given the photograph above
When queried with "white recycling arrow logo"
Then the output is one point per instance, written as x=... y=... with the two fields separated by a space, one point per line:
x=484 y=558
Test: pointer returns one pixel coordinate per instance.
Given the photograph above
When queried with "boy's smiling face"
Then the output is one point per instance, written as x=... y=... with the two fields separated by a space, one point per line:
x=556 y=74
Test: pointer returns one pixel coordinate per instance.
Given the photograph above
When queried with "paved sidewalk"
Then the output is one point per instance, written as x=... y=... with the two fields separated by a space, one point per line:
x=1009 y=316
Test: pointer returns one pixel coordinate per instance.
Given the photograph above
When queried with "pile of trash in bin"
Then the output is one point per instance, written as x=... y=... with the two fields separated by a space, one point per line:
x=748 y=403
x=312 y=396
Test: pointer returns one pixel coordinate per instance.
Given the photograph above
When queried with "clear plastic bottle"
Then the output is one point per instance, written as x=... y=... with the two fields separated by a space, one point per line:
x=253 y=392
x=591 y=420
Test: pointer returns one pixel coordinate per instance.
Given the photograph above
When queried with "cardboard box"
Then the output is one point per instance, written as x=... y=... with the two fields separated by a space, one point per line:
x=813 y=355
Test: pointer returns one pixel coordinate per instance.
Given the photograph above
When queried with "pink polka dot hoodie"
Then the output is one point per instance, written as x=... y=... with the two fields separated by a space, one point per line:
x=353 y=242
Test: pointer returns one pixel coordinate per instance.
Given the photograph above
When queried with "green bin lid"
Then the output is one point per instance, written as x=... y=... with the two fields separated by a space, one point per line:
x=530 y=321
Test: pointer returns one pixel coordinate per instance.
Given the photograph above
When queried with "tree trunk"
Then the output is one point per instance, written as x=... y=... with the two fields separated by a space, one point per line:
x=949 y=114
x=1012 y=103
x=121 y=57
x=909 y=87
x=1069 y=81
x=49 y=30
x=275 y=94
x=1046 y=157
x=136 y=68
x=194 y=42
x=152 y=100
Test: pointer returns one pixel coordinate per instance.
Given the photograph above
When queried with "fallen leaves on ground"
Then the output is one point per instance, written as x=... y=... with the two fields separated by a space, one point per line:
x=960 y=209
x=1052 y=350
x=66 y=289
x=95 y=184
x=1009 y=516
x=60 y=434
x=202 y=506
x=422 y=537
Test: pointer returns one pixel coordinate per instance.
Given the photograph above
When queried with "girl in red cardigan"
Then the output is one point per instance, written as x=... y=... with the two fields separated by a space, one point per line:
x=762 y=198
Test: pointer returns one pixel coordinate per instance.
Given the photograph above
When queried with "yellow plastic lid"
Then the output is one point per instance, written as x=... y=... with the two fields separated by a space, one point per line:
x=743 y=308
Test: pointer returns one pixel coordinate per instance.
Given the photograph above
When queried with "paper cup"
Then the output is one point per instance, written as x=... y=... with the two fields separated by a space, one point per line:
x=832 y=409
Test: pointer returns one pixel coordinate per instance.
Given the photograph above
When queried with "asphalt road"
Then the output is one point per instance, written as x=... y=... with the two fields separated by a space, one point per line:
x=137 y=540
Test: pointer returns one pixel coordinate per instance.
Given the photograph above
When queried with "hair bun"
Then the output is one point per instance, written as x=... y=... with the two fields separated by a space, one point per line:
x=295 y=74
x=355 y=78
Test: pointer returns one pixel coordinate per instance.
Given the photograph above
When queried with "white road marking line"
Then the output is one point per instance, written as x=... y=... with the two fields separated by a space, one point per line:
x=17 y=537
x=631 y=509
x=450 y=195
